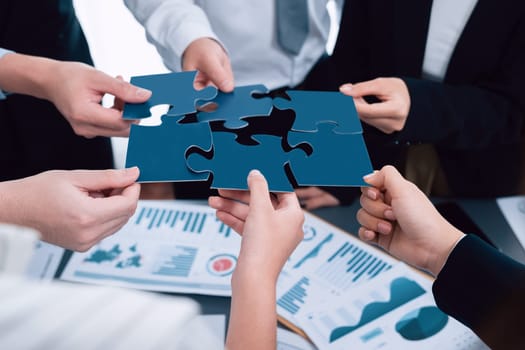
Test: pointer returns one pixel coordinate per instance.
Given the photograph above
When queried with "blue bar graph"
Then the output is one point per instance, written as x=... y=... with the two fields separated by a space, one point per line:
x=189 y=221
x=179 y=262
x=350 y=264
x=293 y=299
x=224 y=229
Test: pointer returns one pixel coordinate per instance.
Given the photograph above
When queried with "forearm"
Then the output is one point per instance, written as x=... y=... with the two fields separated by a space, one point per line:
x=253 y=317
x=27 y=75
x=11 y=205
x=171 y=26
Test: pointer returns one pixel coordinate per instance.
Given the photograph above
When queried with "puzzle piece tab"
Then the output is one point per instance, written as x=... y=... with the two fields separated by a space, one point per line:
x=233 y=161
x=336 y=160
x=175 y=89
x=233 y=107
x=314 y=107
x=160 y=151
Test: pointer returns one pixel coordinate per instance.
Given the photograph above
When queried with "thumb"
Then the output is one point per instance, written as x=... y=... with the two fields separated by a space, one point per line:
x=123 y=90
x=259 y=194
x=367 y=88
x=389 y=179
x=220 y=73
x=97 y=180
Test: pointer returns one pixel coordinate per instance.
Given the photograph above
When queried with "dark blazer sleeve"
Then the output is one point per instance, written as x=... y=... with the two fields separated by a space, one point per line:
x=482 y=100
x=485 y=290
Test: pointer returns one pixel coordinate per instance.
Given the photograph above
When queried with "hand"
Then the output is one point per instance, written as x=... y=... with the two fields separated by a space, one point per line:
x=314 y=197
x=77 y=90
x=209 y=58
x=391 y=113
x=398 y=217
x=73 y=209
x=271 y=228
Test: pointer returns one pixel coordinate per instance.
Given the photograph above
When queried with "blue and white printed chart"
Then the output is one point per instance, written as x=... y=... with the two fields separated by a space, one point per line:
x=167 y=246
x=396 y=311
x=327 y=263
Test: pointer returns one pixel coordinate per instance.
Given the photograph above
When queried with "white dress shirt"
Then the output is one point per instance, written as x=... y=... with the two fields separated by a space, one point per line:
x=447 y=21
x=2 y=53
x=245 y=28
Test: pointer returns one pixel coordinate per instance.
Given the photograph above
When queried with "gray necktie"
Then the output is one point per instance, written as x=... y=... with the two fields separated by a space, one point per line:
x=292 y=24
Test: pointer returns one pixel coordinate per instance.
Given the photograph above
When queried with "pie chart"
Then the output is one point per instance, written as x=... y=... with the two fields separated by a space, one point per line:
x=422 y=323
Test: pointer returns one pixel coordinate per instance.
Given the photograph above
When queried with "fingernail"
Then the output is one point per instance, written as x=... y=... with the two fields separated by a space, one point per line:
x=255 y=172
x=368 y=177
x=369 y=235
x=371 y=194
x=389 y=214
x=346 y=87
x=131 y=170
x=226 y=85
x=140 y=92
x=384 y=228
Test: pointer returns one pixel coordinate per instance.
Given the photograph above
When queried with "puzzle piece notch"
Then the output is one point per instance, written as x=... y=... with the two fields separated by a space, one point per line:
x=174 y=89
x=234 y=107
x=336 y=160
x=160 y=152
x=233 y=161
x=315 y=107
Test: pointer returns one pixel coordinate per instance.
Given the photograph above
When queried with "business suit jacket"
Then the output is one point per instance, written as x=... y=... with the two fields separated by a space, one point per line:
x=475 y=117
x=34 y=136
x=485 y=290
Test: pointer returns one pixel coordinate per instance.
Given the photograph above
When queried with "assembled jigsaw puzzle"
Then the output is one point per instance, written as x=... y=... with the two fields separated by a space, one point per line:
x=323 y=147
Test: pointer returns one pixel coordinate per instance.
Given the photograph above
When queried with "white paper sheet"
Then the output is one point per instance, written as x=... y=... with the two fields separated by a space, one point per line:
x=166 y=246
x=44 y=262
x=395 y=311
x=513 y=209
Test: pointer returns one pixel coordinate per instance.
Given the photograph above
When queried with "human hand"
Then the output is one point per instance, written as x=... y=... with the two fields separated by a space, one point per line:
x=314 y=197
x=74 y=209
x=211 y=60
x=398 y=217
x=271 y=228
x=77 y=90
x=391 y=113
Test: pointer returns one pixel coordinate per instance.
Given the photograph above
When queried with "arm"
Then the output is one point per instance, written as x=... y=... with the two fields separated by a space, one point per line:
x=181 y=32
x=475 y=283
x=467 y=111
x=270 y=229
x=76 y=90
x=72 y=209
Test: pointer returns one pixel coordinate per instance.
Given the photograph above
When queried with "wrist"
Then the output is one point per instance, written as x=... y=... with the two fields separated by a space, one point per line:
x=439 y=256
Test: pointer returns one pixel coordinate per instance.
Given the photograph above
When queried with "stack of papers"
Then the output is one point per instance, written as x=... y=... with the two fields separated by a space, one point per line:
x=341 y=291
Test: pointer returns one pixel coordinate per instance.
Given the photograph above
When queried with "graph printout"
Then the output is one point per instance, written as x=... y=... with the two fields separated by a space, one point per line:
x=167 y=246
x=395 y=311
x=327 y=263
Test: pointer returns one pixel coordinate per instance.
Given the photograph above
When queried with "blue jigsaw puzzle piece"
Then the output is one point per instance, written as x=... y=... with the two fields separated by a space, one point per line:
x=314 y=107
x=160 y=151
x=233 y=161
x=336 y=160
x=235 y=106
x=174 y=89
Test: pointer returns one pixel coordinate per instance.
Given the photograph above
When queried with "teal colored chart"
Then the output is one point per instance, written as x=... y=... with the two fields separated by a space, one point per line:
x=422 y=323
x=101 y=255
x=402 y=290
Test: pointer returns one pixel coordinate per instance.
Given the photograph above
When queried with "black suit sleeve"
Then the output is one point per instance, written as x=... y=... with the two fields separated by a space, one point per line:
x=485 y=290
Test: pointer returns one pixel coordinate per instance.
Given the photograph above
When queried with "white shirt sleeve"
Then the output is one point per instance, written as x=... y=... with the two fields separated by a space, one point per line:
x=2 y=53
x=171 y=25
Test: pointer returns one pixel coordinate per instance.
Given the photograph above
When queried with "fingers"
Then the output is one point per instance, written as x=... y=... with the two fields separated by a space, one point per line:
x=377 y=208
x=241 y=196
x=237 y=209
x=373 y=223
x=235 y=223
x=366 y=88
x=122 y=90
x=367 y=235
x=259 y=194
x=95 y=180
x=104 y=122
